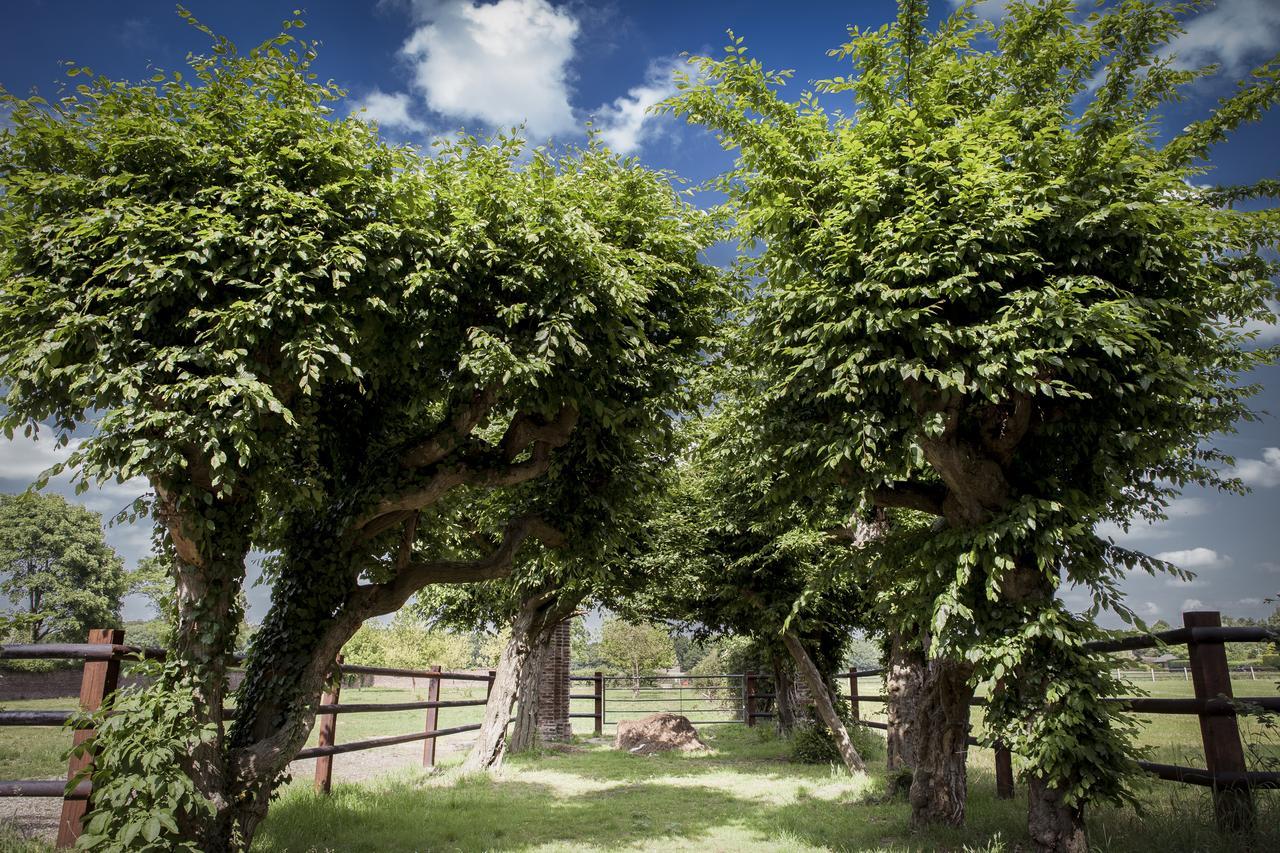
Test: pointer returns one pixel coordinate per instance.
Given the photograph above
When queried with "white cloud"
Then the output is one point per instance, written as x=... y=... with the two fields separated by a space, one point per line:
x=625 y=124
x=23 y=459
x=1179 y=508
x=499 y=64
x=1180 y=583
x=1270 y=566
x=390 y=110
x=1233 y=33
x=1195 y=558
x=1149 y=610
x=1262 y=473
x=1250 y=602
x=991 y=10
x=1192 y=604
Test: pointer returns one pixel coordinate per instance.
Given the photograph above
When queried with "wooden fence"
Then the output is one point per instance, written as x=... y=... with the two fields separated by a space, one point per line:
x=102 y=656
x=1225 y=771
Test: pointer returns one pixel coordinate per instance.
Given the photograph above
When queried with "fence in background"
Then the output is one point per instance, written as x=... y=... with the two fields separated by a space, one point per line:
x=1214 y=704
x=102 y=656
x=704 y=699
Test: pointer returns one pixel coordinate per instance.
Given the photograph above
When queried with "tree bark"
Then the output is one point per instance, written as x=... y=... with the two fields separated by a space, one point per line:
x=524 y=732
x=939 y=783
x=904 y=682
x=822 y=699
x=519 y=669
x=784 y=692
x=1054 y=826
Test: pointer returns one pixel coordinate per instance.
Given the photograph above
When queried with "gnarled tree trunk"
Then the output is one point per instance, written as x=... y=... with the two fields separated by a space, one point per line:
x=939 y=782
x=821 y=692
x=518 y=674
x=1053 y=824
x=904 y=680
x=524 y=731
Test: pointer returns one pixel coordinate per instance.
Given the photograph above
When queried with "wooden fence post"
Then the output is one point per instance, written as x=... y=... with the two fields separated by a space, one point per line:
x=853 y=693
x=1004 y=772
x=328 y=728
x=598 y=682
x=749 y=698
x=99 y=679
x=488 y=691
x=1223 y=753
x=433 y=720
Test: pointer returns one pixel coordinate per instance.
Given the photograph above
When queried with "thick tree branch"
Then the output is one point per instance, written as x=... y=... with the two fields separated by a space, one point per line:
x=544 y=437
x=925 y=497
x=1005 y=427
x=446 y=440
x=376 y=599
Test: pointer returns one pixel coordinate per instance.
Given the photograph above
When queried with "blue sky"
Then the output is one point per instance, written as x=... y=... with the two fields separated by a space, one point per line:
x=423 y=68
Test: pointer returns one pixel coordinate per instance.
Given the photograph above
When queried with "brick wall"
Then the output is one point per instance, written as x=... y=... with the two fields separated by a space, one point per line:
x=553 y=695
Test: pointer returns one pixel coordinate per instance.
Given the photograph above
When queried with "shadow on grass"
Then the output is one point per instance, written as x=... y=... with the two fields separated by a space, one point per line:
x=743 y=797
x=480 y=814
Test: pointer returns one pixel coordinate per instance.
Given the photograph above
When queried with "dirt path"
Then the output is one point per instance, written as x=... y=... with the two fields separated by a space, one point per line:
x=37 y=817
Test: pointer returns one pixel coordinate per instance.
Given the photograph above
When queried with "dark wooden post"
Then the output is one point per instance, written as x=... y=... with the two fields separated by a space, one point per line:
x=328 y=728
x=488 y=690
x=433 y=720
x=1004 y=772
x=598 y=681
x=749 y=698
x=853 y=693
x=1223 y=752
x=99 y=679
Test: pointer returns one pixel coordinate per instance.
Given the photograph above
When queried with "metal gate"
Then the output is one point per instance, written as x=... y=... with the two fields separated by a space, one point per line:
x=704 y=699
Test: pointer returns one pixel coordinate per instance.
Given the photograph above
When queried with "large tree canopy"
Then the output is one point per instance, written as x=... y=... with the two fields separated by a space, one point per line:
x=990 y=293
x=347 y=353
x=56 y=567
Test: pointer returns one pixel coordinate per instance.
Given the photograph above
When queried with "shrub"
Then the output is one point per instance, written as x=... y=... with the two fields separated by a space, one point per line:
x=813 y=743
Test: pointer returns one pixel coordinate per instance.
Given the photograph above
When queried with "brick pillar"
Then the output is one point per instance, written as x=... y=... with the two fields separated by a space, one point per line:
x=553 y=694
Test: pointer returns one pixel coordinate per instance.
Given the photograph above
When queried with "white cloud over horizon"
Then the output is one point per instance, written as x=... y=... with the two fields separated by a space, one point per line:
x=1232 y=33
x=1179 y=509
x=625 y=123
x=390 y=110
x=1193 y=559
x=507 y=63
x=501 y=64
x=1261 y=473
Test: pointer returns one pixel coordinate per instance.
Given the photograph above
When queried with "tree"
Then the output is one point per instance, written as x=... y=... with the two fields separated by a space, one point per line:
x=57 y=568
x=636 y=649
x=345 y=354
x=990 y=294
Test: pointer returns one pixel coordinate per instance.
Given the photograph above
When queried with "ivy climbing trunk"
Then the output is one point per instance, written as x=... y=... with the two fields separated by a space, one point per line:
x=904 y=679
x=821 y=693
x=208 y=572
x=940 y=740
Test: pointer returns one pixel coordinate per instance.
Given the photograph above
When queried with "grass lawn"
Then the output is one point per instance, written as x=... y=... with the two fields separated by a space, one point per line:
x=34 y=752
x=745 y=795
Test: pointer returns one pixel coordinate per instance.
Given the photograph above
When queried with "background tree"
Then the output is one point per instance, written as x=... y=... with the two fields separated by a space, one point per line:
x=636 y=649
x=346 y=354
x=991 y=295
x=56 y=566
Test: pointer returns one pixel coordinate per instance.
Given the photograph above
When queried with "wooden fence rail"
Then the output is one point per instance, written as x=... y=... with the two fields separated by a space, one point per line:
x=102 y=656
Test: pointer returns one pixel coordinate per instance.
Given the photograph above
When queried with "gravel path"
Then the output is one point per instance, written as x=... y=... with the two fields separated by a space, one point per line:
x=37 y=817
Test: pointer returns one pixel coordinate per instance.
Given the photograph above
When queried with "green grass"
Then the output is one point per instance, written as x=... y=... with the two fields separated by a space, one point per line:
x=34 y=752
x=745 y=795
